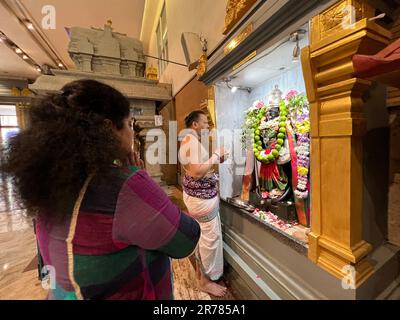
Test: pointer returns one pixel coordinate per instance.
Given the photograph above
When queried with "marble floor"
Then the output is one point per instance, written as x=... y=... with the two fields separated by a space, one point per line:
x=18 y=266
x=18 y=261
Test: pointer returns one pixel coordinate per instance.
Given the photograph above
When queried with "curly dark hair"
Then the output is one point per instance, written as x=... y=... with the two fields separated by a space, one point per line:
x=67 y=139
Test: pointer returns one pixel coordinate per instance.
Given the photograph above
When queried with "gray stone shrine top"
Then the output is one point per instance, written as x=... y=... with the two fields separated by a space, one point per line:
x=105 y=51
x=109 y=57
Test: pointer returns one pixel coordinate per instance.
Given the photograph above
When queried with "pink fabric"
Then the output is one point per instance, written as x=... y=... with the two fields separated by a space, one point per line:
x=51 y=237
x=93 y=235
x=384 y=61
x=153 y=215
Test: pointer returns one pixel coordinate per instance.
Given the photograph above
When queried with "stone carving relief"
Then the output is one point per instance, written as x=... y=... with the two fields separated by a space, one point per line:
x=235 y=10
x=333 y=17
x=105 y=51
x=342 y=15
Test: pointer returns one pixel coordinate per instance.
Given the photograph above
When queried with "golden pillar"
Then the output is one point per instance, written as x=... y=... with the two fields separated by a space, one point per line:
x=337 y=126
x=22 y=108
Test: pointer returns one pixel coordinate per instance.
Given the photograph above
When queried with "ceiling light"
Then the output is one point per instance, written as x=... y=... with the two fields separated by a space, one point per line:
x=234 y=88
x=25 y=57
x=29 y=25
x=60 y=65
x=18 y=50
x=38 y=69
x=232 y=44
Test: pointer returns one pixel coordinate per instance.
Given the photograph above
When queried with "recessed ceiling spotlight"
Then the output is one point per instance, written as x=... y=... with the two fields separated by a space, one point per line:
x=38 y=69
x=18 y=50
x=60 y=65
x=234 y=88
x=25 y=57
x=29 y=25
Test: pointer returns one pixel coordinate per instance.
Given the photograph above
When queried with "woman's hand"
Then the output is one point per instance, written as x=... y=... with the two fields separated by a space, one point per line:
x=134 y=160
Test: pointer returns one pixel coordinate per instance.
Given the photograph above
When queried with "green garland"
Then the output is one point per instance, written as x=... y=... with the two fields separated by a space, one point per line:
x=258 y=150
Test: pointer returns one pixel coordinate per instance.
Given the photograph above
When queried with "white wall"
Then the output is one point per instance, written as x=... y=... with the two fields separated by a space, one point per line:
x=230 y=109
x=288 y=80
x=204 y=17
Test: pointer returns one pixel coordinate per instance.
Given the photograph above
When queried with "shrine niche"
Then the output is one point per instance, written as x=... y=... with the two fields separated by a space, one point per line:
x=277 y=133
x=235 y=10
x=304 y=202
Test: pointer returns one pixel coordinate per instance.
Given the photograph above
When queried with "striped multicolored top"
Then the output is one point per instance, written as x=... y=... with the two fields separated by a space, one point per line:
x=119 y=243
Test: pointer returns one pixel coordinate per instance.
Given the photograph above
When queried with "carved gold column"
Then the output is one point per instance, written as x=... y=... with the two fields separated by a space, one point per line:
x=337 y=126
x=22 y=108
x=22 y=115
x=235 y=10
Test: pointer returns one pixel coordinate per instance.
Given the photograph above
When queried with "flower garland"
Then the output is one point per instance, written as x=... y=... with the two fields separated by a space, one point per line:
x=299 y=116
x=258 y=128
x=273 y=219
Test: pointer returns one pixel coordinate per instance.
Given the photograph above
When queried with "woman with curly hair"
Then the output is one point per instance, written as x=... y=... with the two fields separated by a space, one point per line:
x=108 y=230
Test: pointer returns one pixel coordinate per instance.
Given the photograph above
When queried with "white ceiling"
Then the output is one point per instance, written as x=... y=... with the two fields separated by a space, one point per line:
x=268 y=64
x=126 y=16
x=11 y=65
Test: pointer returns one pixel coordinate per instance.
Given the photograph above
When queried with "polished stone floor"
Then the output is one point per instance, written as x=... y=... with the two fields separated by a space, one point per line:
x=18 y=262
